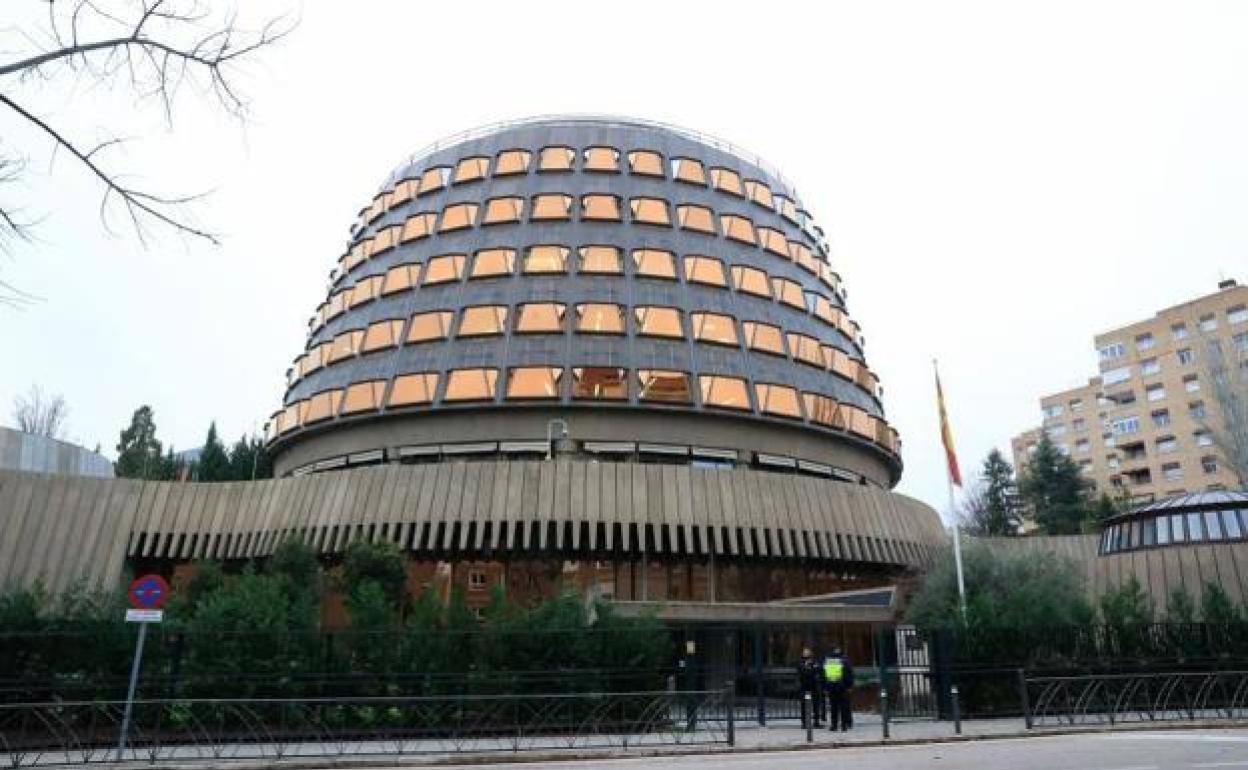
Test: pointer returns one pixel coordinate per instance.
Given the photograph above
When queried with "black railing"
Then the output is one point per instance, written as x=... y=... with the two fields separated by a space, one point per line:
x=1150 y=697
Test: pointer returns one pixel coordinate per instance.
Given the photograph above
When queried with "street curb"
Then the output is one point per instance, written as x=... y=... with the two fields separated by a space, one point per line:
x=546 y=757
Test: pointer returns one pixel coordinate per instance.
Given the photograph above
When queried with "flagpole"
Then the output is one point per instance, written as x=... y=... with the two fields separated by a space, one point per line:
x=953 y=511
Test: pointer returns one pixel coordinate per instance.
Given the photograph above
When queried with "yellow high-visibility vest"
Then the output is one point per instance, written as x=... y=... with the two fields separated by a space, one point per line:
x=833 y=670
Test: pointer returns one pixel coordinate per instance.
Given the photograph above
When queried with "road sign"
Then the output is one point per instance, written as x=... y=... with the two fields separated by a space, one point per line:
x=148 y=592
x=145 y=616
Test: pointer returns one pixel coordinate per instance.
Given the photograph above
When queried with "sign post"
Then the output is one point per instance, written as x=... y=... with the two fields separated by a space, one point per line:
x=147 y=595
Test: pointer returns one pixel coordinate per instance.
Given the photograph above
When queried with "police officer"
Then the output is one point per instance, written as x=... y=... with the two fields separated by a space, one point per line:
x=839 y=677
x=810 y=681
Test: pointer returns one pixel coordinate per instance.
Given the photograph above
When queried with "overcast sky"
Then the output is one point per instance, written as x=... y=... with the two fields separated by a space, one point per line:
x=999 y=181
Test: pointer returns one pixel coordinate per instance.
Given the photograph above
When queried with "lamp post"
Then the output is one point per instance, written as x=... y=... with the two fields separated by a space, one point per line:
x=550 y=435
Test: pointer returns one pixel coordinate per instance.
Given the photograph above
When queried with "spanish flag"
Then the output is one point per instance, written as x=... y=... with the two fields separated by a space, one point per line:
x=946 y=436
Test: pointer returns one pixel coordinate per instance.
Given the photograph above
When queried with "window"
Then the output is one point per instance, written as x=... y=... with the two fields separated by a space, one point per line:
x=599 y=318
x=429 y=326
x=490 y=263
x=1161 y=418
x=1203 y=437
x=763 y=337
x=1179 y=331
x=600 y=208
x=1240 y=342
x=1196 y=410
x=444 y=269
x=500 y=210
x=1145 y=341
x=404 y=191
x=664 y=385
x=688 y=170
x=556 y=159
x=1209 y=464
x=363 y=396
x=1052 y=410
x=1186 y=356
x=399 y=278
x=344 y=345
x=600 y=383
x=1112 y=350
x=1177 y=529
x=773 y=241
x=658 y=322
x=365 y=291
x=714 y=328
x=705 y=270
x=738 y=228
x=1163 y=530
x=1191 y=383
x=804 y=257
x=1232 y=525
x=1115 y=376
x=458 y=216
x=471 y=169
x=471 y=385
x=750 y=281
x=806 y=349
x=1079 y=425
x=550 y=206
x=476 y=581
x=534 y=382
x=1167 y=445
x=1155 y=392
x=786 y=208
x=602 y=159
x=655 y=263
x=650 y=211
x=1208 y=323
x=540 y=318
x=789 y=292
x=727 y=180
x=322 y=406
x=1150 y=366
x=603 y=260
x=1236 y=315
x=779 y=400
x=288 y=418
x=645 y=162
x=821 y=409
x=386 y=239
x=483 y=320
x=1194 y=531
x=696 y=218
x=1082 y=446
x=724 y=392
x=418 y=226
x=1125 y=425
x=382 y=334
x=759 y=193
x=1213 y=525
x=546 y=258
x=1076 y=405
x=512 y=162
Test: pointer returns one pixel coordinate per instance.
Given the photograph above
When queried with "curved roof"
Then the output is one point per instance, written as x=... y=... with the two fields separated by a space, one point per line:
x=1218 y=498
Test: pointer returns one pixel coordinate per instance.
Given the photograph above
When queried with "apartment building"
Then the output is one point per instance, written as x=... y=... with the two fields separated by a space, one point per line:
x=1142 y=427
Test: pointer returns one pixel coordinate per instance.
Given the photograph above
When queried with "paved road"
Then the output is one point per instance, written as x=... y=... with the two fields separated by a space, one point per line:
x=1162 y=750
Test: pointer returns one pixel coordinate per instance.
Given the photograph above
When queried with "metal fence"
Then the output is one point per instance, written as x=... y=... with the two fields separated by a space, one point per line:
x=72 y=733
x=1143 y=697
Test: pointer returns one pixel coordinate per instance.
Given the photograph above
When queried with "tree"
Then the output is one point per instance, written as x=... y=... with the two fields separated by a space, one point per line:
x=1179 y=606
x=380 y=562
x=42 y=415
x=1055 y=490
x=250 y=460
x=1227 y=422
x=138 y=451
x=1126 y=605
x=213 y=463
x=1216 y=606
x=155 y=49
x=987 y=510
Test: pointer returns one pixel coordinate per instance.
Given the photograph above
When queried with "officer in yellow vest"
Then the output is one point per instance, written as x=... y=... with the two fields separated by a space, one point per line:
x=839 y=677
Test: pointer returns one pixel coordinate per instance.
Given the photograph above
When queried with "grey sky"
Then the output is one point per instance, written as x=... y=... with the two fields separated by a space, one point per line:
x=999 y=181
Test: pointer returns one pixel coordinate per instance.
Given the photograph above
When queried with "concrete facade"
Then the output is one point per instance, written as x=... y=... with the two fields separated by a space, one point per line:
x=27 y=452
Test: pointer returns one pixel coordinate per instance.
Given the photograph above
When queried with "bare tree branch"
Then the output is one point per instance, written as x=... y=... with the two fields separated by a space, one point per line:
x=40 y=414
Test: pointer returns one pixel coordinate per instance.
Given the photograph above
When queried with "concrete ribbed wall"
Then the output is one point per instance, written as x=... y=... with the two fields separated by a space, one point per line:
x=28 y=452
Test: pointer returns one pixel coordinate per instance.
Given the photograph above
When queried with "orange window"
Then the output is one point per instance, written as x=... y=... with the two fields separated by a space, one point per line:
x=773 y=241
x=363 y=396
x=842 y=364
x=470 y=169
x=418 y=226
x=599 y=318
x=829 y=276
x=603 y=208
x=779 y=400
x=650 y=211
x=404 y=191
x=512 y=162
x=696 y=218
x=434 y=179
x=483 y=320
x=806 y=349
x=645 y=162
x=457 y=216
x=546 y=258
x=763 y=337
x=604 y=383
x=727 y=180
x=859 y=421
x=471 y=385
x=750 y=281
x=313 y=359
x=347 y=262
x=540 y=318
x=399 y=278
x=344 y=345
x=655 y=263
x=551 y=206
x=556 y=159
x=386 y=239
x=602 y=159
x=759 y=193
x=382 y=334
x=738 y=228
x=499 y=210
x=377 y=208
x=688 y=170
x=288 y=418
x=604 y=260
x=658 y=322
x=820 y=408
x=337 y=304
x=490 y=263
x=787 y=208
x=821 y=307
x=322 y=406
x=664 y=385
x=803 y=256
x=714 y=328
x=724 y=392
x=705 y=270
x=788 y=292
x=412 y=389
x=429 y=326
x=365 y=291
x=444 y=269
x=535 y=382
